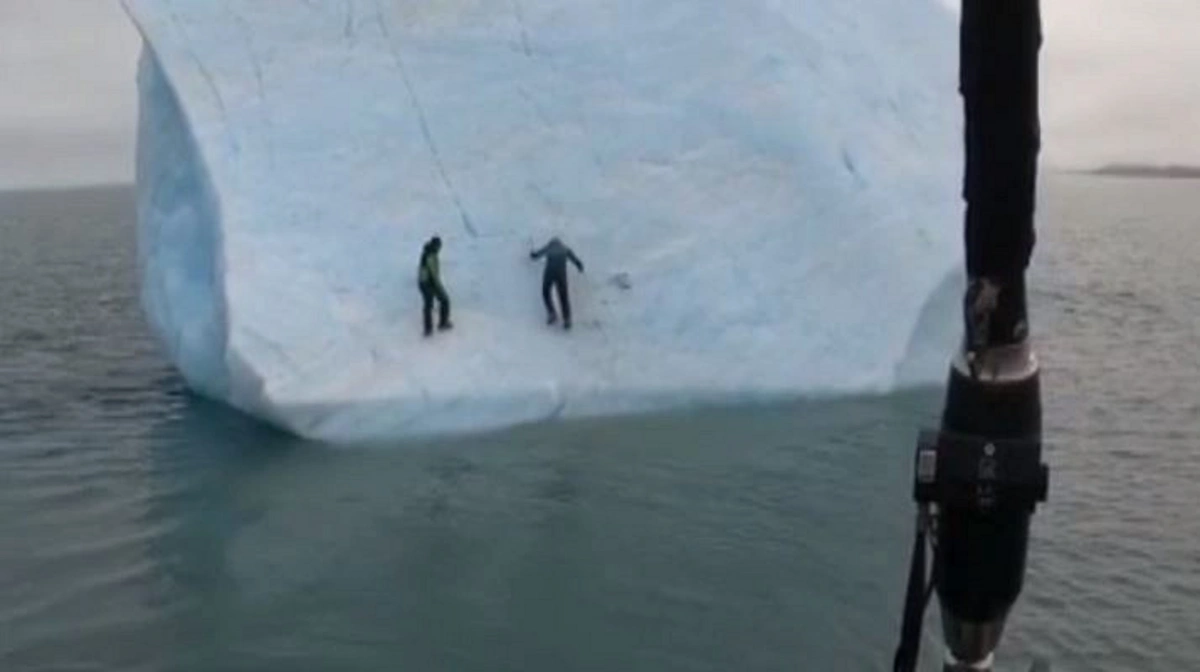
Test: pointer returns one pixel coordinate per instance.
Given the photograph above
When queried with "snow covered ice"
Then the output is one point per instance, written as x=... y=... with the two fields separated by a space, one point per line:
x=765 y=195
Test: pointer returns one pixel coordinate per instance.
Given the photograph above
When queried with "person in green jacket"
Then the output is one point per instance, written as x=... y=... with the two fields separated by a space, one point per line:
x=429 y=281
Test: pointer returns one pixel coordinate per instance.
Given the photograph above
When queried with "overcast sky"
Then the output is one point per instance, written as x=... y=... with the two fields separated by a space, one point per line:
x=1120 y=82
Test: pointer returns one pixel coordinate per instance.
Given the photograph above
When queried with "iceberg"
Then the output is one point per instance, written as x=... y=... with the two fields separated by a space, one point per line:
x=765 y=195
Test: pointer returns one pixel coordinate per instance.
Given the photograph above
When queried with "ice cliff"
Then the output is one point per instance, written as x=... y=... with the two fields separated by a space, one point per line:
x=765 y=195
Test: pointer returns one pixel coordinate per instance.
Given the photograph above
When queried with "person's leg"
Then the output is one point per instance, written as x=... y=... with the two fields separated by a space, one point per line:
x=564 y=300
x=443 y=308
x=547 y=285
x=427 y=307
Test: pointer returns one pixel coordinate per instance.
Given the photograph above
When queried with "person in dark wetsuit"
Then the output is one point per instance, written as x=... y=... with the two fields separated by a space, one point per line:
x=429 y=281
x=555 y=278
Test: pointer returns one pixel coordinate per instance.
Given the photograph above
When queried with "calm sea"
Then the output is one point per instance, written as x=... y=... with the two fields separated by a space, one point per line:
x=144 y=529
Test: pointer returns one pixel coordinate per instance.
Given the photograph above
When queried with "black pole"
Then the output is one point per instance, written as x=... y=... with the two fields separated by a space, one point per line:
x=998 y=80
x=980 y=477
x=994 y=390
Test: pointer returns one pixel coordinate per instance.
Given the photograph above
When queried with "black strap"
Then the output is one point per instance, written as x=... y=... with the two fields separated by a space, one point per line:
x=916 y=599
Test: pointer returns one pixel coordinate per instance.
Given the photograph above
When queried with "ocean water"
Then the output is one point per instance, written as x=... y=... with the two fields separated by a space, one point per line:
x=144 y=529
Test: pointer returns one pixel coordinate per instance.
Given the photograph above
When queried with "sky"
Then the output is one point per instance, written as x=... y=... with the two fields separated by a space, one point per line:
x=1119 y=83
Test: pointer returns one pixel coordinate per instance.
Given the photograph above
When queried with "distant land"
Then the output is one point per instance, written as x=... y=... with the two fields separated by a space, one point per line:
x=1144 y=170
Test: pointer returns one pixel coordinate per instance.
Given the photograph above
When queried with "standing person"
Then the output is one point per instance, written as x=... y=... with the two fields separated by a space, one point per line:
x=555 y=278
x=429 y=281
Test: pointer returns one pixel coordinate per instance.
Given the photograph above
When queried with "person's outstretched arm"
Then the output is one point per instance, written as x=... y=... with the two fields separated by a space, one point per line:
x=575 y=260
x=538 y=253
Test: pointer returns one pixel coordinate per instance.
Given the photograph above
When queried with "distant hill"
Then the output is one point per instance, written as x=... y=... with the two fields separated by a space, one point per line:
x=1142 y=170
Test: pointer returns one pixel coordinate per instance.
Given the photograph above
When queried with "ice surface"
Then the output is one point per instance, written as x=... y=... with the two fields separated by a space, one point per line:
x=778 y=182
